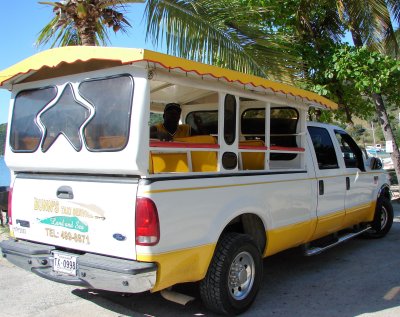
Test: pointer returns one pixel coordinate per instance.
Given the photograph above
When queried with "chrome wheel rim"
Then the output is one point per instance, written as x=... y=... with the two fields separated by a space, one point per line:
x=241 y=275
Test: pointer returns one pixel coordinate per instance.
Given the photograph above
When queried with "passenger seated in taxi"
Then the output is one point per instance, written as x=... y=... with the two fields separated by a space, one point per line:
x=170 y=128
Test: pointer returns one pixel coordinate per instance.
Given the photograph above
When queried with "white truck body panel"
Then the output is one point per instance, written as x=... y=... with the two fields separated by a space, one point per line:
x=206 y=206
x=101 y=207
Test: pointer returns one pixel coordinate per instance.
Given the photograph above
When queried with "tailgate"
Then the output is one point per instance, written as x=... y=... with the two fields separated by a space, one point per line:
x=94 y=214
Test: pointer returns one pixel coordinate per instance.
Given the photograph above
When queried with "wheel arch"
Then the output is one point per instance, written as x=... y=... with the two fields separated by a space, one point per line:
x=250 y=224
x=384 y=191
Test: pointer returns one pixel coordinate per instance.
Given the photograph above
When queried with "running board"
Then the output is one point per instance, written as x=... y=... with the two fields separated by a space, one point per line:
x=317 y=250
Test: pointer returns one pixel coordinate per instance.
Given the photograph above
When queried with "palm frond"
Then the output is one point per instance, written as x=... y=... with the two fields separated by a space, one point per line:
x=394 y=7
x=47 y=32
x=216 y=32
x=189 y=34
x=59 y=34
x=101 y=34
x=372 y=20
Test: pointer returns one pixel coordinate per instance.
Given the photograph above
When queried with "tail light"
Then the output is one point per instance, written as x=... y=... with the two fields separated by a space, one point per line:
x=10 y=206
x=147 y=223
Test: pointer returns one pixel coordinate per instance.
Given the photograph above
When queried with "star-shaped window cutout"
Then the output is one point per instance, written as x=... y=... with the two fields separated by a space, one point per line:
x=64 y=118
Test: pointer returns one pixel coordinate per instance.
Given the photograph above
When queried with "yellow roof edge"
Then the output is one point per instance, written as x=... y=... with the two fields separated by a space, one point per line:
x=173 y=62
x=71 y=54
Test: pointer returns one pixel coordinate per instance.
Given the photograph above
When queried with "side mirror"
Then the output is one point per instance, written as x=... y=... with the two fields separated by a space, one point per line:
x=375 y=163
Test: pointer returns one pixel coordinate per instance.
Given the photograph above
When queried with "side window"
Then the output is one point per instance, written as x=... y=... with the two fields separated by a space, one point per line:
x=283 y=124
x=203 y=122
x=352 y=154
x=283 y=129
x=112 y=98
x=324 y=149
x=25 y=133
x=253 y=124
x=230 y=119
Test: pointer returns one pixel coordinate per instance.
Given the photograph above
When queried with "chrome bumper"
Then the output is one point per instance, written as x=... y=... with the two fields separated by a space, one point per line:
x=94 y=271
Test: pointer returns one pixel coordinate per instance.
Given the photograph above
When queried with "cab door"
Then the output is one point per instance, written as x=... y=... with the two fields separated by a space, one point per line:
x=360 y=184
x=330 y=180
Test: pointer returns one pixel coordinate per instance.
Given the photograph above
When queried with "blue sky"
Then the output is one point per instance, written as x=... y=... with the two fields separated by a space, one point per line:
x=21 y=22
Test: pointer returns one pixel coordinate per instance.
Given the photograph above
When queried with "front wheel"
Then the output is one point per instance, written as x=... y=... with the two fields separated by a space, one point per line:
x=234 y=275
x=383 y=219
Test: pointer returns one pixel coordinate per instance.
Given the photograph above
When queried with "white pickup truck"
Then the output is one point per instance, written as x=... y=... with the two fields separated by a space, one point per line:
x=95 y=202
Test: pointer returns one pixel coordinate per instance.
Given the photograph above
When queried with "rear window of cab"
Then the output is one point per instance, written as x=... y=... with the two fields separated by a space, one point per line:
x=95 y=114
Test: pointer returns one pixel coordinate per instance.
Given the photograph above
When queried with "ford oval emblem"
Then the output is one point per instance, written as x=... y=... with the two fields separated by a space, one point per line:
x=119 y=237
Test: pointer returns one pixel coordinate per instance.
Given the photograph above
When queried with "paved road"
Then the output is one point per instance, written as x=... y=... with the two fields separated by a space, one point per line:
x=358 y=278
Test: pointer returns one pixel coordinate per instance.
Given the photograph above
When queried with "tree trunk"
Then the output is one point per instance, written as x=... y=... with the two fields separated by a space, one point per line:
x=387 y=131
x=344 y=107
x=86 y=28
x=357 y=40
x=88 y=39
x=348 y=115
x=355 y=31
x=87 y=33
x=318 y=114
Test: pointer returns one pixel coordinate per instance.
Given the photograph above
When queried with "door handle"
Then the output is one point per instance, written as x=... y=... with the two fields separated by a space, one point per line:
x=347 y=183
x=65 y=192
x=321 y=187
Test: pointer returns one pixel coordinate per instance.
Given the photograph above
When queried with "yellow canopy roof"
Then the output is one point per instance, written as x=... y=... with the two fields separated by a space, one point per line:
x=75 y=59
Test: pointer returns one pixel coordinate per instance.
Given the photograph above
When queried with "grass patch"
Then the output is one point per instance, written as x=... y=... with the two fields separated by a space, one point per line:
x=4 y=232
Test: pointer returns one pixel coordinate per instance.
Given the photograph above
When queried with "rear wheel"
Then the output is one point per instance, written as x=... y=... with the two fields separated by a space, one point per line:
x=383 y=219
x=234 y=275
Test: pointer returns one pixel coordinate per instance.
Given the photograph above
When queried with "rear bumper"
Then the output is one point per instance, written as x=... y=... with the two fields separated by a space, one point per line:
x=94 y=271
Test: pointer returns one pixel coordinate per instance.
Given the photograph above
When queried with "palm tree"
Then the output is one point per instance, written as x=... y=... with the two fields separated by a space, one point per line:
x=84 y=22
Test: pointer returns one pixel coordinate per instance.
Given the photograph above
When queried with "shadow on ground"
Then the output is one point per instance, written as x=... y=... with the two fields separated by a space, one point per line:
x=361 y=276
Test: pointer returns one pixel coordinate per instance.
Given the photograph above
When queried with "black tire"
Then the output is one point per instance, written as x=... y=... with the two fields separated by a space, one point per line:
x=234 y=275
x=383 y=219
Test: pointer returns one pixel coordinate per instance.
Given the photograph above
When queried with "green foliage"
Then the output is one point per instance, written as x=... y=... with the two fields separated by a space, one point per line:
x=3 y=131
x=155 y=118
x=370 y=72
x=319 y=30
x=355 y=74
x=357 y=132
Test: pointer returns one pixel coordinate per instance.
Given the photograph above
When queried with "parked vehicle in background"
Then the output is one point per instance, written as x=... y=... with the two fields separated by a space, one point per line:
x=373 y=150
x=95 y=202
x=385 y=158
x=387 y=163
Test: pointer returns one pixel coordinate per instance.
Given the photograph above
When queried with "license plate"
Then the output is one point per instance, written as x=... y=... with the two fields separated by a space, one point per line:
x=64 y=263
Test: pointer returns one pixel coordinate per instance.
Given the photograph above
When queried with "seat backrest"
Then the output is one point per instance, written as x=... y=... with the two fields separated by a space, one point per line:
x=202 y=161
x=252 y=160
x=112 y=141
x=168 y=163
